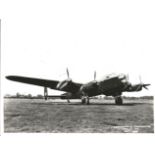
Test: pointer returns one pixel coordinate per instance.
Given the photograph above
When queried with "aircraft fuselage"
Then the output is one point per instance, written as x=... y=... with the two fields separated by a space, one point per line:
x=110 y=86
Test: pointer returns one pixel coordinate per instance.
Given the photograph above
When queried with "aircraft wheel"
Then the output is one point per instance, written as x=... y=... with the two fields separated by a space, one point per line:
x=119 y=100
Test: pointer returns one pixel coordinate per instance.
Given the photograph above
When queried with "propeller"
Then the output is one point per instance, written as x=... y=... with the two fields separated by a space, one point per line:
x=68 y=77
x=142 y=85
x=67 y=71
x=63 y=84
x=94 y=75
x=145 y=86
x=127 y=77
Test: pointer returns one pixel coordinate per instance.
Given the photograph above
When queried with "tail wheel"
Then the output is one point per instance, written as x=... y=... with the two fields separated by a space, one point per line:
x=118 y=100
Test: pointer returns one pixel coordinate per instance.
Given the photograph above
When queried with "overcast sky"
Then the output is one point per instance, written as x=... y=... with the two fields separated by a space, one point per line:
x=41 y=38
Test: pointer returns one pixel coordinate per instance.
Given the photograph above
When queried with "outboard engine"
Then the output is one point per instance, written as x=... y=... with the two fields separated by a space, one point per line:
x=63 y=85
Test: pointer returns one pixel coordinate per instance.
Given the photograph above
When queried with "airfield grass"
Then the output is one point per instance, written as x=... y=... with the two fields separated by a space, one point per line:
x=101 y=116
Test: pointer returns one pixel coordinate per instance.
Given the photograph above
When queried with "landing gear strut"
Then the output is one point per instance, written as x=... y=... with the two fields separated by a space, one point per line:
x=118 y=100
x=85 y=100
x=45 y=93
x=68 y=100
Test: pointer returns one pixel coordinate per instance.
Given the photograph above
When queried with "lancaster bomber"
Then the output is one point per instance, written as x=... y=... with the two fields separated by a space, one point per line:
x=111 y=85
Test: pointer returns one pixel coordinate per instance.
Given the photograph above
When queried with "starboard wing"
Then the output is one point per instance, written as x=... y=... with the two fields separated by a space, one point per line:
x=73 y=88
x=35 y=81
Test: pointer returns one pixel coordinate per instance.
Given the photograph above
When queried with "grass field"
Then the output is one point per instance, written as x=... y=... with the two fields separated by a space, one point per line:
x=101 y=116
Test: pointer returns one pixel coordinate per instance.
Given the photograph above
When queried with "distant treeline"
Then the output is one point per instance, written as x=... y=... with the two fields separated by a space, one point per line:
x=39 y=96
x=29 y=96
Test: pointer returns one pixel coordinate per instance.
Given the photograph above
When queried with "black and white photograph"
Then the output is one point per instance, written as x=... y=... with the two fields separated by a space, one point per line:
x=79 y=72
x=78 y=67
x=95 y=106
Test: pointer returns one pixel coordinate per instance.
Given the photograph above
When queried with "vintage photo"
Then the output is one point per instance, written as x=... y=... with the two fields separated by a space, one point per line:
x=75 y=70
x=77 y=77
x=94 y=107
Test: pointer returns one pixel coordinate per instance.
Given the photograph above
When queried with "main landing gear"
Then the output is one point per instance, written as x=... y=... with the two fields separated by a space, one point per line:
x=45 y=93
x=85 y=100
x=118 y=100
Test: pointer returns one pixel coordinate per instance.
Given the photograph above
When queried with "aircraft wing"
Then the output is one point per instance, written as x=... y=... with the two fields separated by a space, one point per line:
x=35 y=81
x=73 y=87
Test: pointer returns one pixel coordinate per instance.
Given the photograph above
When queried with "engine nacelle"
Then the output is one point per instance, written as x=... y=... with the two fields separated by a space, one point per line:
x=63 y=85
x=90 y=88
x=69 y=96
x=137 y=87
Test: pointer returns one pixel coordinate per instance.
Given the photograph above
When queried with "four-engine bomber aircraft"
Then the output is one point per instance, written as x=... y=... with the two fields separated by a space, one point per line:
x=111 y=85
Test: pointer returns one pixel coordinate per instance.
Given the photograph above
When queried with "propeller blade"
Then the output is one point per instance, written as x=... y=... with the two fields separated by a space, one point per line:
x=142 y=84
x=145 y=86
x=139 y=87
x=140 y=79
x=67 y=73
x=127 y=77
x=94 y=75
